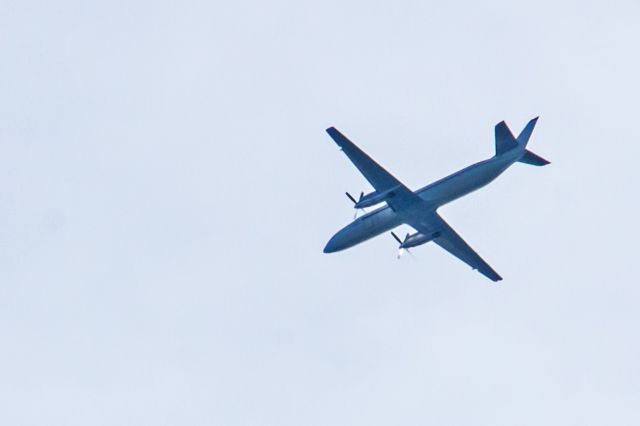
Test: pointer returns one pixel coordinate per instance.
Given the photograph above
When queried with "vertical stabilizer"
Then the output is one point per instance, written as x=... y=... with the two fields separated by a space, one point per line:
x=529 y=157
x=523 y=137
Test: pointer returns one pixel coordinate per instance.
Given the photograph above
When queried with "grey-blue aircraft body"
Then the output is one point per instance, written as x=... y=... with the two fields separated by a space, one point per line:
x=419 y=209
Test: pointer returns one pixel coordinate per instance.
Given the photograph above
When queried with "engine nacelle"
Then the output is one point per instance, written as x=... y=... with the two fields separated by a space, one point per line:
x=418 y=239
x=374 y=198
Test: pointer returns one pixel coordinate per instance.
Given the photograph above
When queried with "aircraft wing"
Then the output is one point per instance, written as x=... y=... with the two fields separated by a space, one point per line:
x=401 y=196
x=449 y=240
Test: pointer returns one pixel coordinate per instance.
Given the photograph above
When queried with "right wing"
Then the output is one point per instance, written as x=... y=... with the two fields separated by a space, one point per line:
x=449 y=240
x=400 y=197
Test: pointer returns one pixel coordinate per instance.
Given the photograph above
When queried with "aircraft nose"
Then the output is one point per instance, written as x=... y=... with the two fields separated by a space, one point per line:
x=333 y=245
x=330 y=247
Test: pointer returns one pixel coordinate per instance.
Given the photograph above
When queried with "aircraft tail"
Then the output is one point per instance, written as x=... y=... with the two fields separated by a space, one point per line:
x=505 y=141
x=530 y=158
x=523 y=139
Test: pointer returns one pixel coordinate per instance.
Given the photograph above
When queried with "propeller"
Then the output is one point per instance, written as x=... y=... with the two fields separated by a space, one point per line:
x=355 y=215
x=401 y=249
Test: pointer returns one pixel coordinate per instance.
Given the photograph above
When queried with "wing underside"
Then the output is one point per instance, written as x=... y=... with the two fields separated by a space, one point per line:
x=377 y=176
x=449 y=240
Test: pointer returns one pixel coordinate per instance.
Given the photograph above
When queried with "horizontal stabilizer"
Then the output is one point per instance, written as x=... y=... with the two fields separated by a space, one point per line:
x=504 y=138
x=530 y=158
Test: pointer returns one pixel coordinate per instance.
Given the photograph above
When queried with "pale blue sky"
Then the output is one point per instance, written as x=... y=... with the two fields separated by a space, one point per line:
x=166 y=189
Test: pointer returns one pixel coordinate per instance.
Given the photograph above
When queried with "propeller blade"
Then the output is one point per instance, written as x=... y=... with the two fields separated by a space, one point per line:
x=396 y=237
x=355 y=215
x=404 y=250
x=351 y=198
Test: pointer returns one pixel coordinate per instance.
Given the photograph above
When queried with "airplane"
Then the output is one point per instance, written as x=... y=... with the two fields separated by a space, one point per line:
x=419 y=209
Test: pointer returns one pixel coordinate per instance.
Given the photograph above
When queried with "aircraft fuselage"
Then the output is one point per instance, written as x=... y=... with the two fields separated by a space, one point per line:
x=435 y=195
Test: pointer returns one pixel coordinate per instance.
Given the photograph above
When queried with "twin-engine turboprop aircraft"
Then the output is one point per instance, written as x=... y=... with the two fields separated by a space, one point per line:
x=419 y=209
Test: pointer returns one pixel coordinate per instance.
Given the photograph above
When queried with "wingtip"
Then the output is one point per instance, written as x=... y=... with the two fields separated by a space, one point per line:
x=340 y=139
x=493 y=276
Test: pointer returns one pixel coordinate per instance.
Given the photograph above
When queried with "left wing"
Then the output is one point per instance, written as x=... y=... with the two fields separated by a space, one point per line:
x=399 y=196
x=449 y=240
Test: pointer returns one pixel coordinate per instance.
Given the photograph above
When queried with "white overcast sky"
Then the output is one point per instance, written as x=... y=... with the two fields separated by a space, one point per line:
x=166 y=189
